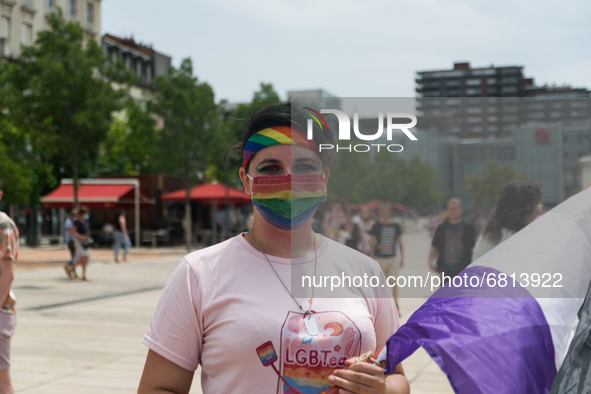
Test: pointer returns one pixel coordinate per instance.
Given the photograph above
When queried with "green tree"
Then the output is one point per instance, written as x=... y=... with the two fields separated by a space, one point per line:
x=130 y=145
x=486 y=186
x=188 y=143
x=359 y=177
x=234 y=122
x=60 y=93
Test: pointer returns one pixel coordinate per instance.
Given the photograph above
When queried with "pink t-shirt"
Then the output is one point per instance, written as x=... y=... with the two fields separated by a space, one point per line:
x=225 y=309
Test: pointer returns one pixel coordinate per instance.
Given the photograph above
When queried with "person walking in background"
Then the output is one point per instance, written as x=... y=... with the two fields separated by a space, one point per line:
x=385 y=235
x=354 y=237
x=518 y=205
x=436 y=221
x=108 y=233
x=365 y=225
x=82 y=242
x=453 y=241
x=121 y=236
x=334 y=221
x=69 y=267
x=9 y=244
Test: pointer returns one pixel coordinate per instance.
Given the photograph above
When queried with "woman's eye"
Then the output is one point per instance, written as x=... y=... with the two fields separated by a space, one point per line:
x=306 y=167
x=268 y=169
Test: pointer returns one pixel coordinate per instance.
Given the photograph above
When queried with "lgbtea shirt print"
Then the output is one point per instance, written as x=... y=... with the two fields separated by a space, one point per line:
x=306 y=362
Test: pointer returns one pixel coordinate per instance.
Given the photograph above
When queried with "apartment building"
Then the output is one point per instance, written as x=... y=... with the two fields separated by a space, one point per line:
x=22 y=20
x=492 y=102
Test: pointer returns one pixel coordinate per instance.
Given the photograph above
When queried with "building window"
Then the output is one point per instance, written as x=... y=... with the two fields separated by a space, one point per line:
x=50 y=5
x=454 y=93
x=491 y=81
x=579 y=104
x=536 y=106
x=556 y=114
x=536 y=115
x=510 y=118
x=474 y=110
x=509 y=89
x=473 y=92
x=73 y=9
x=473 y=82
x=510 y=109
x=453 y=83
x=90 y=17
x=148 y=74
x=488 y=71
x=475 y=119
x=27 y=34
x=5 y=28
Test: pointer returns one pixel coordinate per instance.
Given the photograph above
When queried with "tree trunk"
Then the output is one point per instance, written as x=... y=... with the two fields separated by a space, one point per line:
x=188 y=220
x=75 y=184
x=33 y=228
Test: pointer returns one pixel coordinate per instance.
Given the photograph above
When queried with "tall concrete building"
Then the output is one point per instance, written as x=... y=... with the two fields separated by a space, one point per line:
x=492 y=102
x=22 y=20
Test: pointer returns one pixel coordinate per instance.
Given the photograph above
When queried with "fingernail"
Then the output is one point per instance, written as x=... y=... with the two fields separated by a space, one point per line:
x=331 y=379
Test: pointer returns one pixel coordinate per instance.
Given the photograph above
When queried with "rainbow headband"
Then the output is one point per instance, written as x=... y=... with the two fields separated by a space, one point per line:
x=278 y=135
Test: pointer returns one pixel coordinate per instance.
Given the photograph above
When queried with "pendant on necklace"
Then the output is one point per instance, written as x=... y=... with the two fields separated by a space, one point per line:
x=311 y=325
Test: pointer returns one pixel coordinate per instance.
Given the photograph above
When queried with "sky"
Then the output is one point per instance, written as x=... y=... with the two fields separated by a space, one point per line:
x=351 y=48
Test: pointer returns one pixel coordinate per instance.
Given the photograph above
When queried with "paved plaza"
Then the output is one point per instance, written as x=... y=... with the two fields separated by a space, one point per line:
x=75 y=338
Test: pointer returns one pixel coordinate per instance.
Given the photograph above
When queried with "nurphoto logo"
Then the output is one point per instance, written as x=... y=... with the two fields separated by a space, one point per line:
x=344 y=129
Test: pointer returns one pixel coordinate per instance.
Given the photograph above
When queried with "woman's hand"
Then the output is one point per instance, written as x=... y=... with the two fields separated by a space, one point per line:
x=360 y=378
x=366 y=378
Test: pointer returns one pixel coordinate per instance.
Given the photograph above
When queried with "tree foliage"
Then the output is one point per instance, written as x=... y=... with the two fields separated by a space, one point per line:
x=131 y=144
x=191 y=139
x=234 y=122
x=361 y=177
x=60 y=94
x=486 y=186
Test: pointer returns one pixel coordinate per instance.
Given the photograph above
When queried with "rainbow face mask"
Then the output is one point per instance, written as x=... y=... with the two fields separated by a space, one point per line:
x=288 y=201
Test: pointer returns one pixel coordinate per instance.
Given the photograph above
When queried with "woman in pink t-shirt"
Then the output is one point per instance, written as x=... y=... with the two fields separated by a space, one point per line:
x=237 y=308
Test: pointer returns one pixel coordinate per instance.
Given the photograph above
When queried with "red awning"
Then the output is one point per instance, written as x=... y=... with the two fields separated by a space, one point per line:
x=209 y=192
x=95 y=196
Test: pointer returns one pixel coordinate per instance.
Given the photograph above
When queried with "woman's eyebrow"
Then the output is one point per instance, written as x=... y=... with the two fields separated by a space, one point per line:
x=269 y=161
x=301 y=159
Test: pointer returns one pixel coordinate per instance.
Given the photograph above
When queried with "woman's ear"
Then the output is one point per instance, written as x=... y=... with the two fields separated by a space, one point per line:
x=245 y=181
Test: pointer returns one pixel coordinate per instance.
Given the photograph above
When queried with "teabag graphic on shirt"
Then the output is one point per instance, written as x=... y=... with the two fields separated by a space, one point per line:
x=307 y=361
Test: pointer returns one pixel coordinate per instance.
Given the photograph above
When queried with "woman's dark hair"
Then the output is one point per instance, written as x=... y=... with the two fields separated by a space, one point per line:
x=284 y=114
x=517 y=202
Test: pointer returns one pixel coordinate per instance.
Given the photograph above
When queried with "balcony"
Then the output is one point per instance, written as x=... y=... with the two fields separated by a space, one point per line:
x=8 y=2
x=90 y=27
x=27 y=5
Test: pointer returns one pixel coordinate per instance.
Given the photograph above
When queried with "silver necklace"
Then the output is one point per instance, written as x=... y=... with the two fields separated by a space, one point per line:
x=310 y=323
